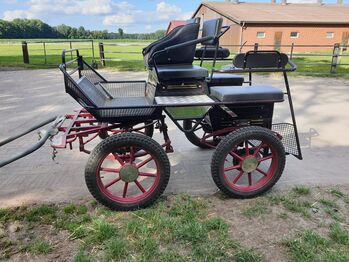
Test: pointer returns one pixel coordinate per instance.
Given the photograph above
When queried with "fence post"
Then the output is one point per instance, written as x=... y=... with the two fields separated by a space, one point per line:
x=255 y=47
x=291 y=55
x=25 y=52
x=45 y=54
x=335 y=54
x=101 y=53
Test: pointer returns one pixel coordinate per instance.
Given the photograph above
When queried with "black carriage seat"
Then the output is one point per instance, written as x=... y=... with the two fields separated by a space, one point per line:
x=213 y=27
x=183 y=55
x=223 y=79
x=181 y=72
x=247 y=94
x=100 y=99
x=254 y=93
x=177 y=72
x=148 y=48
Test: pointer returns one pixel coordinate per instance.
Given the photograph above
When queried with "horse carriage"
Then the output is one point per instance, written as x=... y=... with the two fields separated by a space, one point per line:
x=216 y=109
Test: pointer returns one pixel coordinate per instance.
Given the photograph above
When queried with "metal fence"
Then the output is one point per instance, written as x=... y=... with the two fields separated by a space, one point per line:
x=330 y=56
x=49 y=52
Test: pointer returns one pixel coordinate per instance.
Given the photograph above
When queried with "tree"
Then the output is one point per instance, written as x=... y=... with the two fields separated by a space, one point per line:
x=121 y=32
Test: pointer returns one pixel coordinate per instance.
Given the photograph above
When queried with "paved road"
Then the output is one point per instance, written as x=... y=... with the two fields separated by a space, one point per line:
x=27 y=97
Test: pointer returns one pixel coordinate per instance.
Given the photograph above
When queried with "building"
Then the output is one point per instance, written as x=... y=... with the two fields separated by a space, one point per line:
x=280 y=24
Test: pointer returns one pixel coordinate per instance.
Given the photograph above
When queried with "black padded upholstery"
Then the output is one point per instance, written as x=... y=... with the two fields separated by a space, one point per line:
x=210 y=52
x=247 y=94
x=221 y=79
x=181 y=72
x=260 y=59
x=212 y=28
x=178 y=35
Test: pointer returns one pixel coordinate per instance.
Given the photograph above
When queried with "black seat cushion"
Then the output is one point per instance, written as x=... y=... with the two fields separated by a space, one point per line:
x=181 y=72
x=247 y=94
x=222 y=79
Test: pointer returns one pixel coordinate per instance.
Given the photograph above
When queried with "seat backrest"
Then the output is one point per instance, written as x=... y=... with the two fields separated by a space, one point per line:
x=183 y=55
x=147 y=49
x=261 y=59
x=212 y=28
x=91 y=92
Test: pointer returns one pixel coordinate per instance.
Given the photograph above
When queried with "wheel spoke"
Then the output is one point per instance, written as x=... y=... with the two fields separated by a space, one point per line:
x=265 y=158
x=256 y=151
x=231 y=168
x=139 y=186
x=117 y=158
x=247 y=150
x=112 y=182
x=250 y=179
x=111 y=170
x=233 y=154
x=144 y=162
x=132 y=154
x=147 y=174
x=125 y=190
x=262 y=172
x=238 y=177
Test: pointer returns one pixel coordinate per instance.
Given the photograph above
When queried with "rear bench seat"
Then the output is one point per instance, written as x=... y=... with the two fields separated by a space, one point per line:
x=247 y=94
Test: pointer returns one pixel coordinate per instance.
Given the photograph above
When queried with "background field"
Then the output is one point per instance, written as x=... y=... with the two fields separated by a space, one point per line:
x=125 y=55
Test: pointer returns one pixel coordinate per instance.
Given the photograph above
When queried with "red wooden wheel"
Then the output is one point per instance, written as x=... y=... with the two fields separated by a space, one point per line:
x=127 y=171
x=248 y=162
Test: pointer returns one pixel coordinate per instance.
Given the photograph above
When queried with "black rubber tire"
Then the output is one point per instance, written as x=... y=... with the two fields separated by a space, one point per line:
x=193 y=138
x=110 y=144
x=148 y=131
x=235 y=138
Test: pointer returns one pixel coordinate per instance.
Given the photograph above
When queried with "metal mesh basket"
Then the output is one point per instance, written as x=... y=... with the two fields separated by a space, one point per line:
x=289 y=140
x=125 y=89
x=91 y=75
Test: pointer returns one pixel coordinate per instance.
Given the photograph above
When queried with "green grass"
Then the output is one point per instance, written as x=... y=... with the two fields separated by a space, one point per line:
x=180 y=230
x=39 y=247
x=131 y=59
x=301 y=190
x=310 y=246
x=260 y=208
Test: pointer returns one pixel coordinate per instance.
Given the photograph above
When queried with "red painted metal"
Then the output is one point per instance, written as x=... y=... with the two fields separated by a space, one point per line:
x=123 y=194
x=84 y=128
x=248 y=152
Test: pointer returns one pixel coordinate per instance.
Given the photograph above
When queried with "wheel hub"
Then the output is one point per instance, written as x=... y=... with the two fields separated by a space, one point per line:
x=129 y=173
x=249 y=164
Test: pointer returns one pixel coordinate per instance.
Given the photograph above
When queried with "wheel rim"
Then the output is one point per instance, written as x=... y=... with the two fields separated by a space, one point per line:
x=250 y=165
x=200 y=133
x=128 y=177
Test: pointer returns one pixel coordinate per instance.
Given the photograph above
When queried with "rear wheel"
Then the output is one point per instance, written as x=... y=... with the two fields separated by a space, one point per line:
x=200 y=131
x=248 y=162
x=127 y=171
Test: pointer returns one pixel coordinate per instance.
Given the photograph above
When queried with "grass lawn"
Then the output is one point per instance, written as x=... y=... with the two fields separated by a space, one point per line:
x=304 y=224
x=131 y=59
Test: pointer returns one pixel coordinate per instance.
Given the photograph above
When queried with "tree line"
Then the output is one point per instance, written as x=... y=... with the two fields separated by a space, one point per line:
x=35 y=28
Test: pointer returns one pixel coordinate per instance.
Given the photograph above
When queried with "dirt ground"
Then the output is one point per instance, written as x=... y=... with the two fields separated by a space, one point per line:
x=261 y=225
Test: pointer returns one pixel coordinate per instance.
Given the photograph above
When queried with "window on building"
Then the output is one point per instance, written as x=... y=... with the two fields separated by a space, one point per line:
x=294 y=34
x=260 y=34
x=329 y=35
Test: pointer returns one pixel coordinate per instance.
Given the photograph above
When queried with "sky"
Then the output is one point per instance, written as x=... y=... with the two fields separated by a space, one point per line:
x=133 y=16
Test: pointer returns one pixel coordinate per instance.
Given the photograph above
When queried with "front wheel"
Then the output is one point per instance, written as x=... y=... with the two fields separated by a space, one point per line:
x=248 y=162
x=127 y=171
